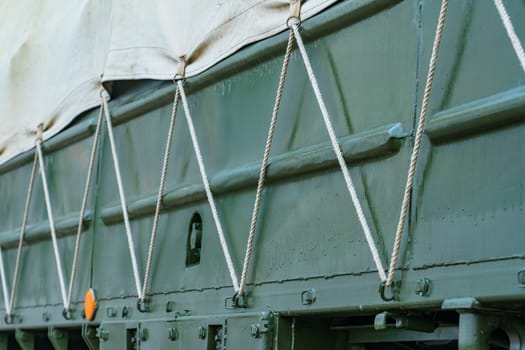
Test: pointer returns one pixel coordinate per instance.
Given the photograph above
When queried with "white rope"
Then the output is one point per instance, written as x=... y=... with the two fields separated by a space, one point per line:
x=417 y=142
x=83 y=208
x=5 y=290
x=116 y=166
x=264 y=165
x=163 y=177
x=58 y=261
x=22 y=235
x=511 y=33
x=339 y=155
x=213 y=207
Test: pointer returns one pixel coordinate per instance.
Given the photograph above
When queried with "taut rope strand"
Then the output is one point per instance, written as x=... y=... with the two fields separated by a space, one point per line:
x=131 y=245
x=339 y=154
x=163 y=176
x=22 y=236
x=5 y=290
x=511 y=33
x=264 y=165
x=83 y=208
x=417 y=143
x=58 y=261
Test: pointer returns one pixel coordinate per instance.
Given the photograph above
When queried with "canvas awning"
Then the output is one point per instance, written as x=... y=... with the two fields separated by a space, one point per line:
x=55 y=54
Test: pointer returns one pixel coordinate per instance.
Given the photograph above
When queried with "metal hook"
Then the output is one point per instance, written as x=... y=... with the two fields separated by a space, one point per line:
x=394 y=288
x=67 y=314
x=235 y=302
x=8 y=318
x=143 y=305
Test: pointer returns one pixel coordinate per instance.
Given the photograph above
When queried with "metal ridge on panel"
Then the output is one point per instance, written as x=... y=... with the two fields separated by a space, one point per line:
x=374 y=143
x=485 y=114
x=64 y=225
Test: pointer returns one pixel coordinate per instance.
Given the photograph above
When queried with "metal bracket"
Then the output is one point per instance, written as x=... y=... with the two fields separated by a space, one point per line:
x=67 y=314
x=460 y=304
x=414 y=323
x=89 y=334
x=25 y=339
x=521 y=278
x=143 y=305
x=308 y=297
x=235 y=302
x=13 y=318
x=267 y=322
x=58 y=338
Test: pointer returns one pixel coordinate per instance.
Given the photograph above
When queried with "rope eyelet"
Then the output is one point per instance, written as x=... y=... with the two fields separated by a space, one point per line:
x=394 y=291
x=178 y=77
x=235 y=302
x=293 y=21
x=67 y=314
x=8 y=318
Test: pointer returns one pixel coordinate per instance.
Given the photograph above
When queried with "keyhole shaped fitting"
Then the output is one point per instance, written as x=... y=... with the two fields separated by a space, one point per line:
x=194 y=241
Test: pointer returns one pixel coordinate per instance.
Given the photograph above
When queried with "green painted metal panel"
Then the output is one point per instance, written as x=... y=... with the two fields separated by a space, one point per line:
x=464 y=231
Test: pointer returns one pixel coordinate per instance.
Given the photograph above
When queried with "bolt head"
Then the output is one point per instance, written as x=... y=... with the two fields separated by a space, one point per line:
x=173 y=334
x=423 y=286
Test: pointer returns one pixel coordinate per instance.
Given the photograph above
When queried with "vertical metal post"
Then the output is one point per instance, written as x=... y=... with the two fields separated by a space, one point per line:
x=25 y=339
x=474 y=332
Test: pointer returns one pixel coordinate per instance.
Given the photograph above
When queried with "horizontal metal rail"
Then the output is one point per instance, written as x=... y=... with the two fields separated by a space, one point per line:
x=485 y=114
x=376 y=143
x=65 y=225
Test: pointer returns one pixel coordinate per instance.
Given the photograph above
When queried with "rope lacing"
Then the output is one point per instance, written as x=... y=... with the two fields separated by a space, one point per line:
x=179 y=80
x=9 y=305
x=294 y=24
x=51 y=220
x=339 y=154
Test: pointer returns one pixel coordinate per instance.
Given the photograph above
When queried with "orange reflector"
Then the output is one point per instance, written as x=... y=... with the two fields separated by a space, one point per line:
x=90 y=304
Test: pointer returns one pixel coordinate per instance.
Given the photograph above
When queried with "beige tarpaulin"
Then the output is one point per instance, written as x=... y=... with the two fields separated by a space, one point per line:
x=54 y=53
